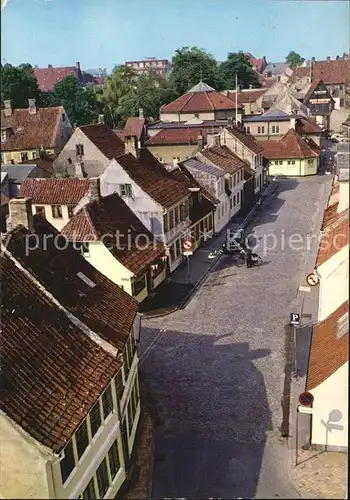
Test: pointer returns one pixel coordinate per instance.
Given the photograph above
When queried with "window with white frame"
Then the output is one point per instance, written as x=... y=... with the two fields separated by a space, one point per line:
x=67 y=464
x=102 y=478
x=95 y=418
x=81 y=439
x=238 y=197
x=107 y=402
x=114 y=460
x=90 y=492
x=79 y=149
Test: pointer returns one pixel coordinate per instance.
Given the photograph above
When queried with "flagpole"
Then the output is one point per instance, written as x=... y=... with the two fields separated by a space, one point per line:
x=236 y=100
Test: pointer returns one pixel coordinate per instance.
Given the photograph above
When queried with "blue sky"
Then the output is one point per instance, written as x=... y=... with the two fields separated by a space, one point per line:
x=102 y=33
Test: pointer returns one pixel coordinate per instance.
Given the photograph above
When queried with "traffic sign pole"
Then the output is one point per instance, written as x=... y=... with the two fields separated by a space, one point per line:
x=188 y=270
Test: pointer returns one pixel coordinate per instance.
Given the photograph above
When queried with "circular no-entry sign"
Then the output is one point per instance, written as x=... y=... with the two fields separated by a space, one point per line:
x=306 y=399
x=312 y=279
x=187 y=245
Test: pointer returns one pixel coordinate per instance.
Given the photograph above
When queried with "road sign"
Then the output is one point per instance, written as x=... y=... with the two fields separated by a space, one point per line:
x=312 y=279
x=294 y=319
x=187 y=245
x=306 y=399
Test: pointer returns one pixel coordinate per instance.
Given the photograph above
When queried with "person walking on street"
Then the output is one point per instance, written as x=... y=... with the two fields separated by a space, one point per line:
x=249 y=261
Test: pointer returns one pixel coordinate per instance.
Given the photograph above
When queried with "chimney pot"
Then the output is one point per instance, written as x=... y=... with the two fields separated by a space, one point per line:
x=95 y=189
x=328 y=58
x=21 y=213
x=250 y=86
x=77 y=65
x=131 y=146
x=31 y=106
x=313 y=59
x=8 y=109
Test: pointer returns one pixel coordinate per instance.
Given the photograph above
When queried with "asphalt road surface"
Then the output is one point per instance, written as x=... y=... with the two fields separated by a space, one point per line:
x=216 y=369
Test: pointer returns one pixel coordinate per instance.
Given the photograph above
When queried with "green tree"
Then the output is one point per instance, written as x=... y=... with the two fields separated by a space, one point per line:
x=294 y=59
x=149 y=93
x=81 y=104
x=18 y=84
x=189 y=66
x=237 y=63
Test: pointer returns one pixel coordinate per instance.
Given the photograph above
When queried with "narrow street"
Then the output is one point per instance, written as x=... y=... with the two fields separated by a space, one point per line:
x=216 y=368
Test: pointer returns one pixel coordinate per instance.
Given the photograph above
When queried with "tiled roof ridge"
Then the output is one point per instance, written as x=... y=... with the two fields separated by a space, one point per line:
x=201 y=155
x=107 y=347
x=209 y=100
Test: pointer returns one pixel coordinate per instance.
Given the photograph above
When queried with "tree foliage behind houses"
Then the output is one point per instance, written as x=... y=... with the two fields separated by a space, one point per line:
x=294 y=59
x=18 y=84
x=237 y=63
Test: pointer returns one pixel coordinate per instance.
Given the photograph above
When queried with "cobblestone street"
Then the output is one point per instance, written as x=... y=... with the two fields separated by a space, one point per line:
x=217 y=368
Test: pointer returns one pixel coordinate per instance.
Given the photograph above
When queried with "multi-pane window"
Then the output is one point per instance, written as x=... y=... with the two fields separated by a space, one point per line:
x=176 y=215
x=165 y=223
x=107 y=402
x=56 y=211
x=95 y=418
x=82 y=439
x=171 y=219
x=138 y=285
x=67 y=464
x=178 y=247
x=125 y=190
x=40 y=210
x=79 y=148
x=114 y=461
x=90 y=490
x=102 y=478
x=24 y=157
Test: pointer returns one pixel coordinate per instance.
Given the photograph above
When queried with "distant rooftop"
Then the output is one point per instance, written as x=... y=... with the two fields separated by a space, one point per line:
x=201 y=87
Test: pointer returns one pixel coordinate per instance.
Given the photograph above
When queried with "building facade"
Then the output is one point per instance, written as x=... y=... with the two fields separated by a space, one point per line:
x=160 y=66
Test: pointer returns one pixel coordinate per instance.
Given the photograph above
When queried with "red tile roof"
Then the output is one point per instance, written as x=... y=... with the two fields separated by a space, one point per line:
x=223 y=157
x=307 y=126
x=257 y=63
x=300 y=72
x=331 y=72
x=336 y=236
x=328 y=352
x=111 y=216
x=121 y=133
x=55 y=191
x=135 y=127
x=52 y=372
x=104 y=139
x=31 y=130
x=181 y=136
x=291 y=145
x=154 y=179
x=193 y=102
x=48 y=77
x=248 y=140
x=310 y=90
x=193 y=183
x=246 y=96
x=106 y=309
x=45 y=161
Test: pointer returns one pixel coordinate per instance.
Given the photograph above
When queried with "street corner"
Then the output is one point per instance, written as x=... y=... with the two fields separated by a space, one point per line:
x=321 y=474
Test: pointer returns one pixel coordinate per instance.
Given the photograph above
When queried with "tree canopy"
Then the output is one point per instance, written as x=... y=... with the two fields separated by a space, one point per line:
x=18 y=84
x=81 y=104
x=237 y=63
x=294 y=59
x=191 y=65
x=126 y=92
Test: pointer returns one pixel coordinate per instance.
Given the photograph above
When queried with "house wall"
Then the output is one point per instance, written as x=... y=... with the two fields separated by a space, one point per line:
x=57 y=223
x=166 y=154
x=334 y=281
x=94 y=162
x=184 y=117
x=330 y=409
x=15 y=156
x=22 y=464
x=299 y=168
x=283 y=127
x=64 y=132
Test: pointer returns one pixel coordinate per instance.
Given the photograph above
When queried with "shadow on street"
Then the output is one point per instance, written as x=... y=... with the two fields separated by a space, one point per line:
x=210 y=432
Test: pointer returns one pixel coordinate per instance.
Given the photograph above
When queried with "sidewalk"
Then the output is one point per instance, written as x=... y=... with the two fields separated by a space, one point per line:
x=321 y=475
x=177 y=293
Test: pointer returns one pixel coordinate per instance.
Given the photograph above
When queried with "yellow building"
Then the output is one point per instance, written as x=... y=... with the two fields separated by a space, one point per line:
x=291 y=155
x=26 y=133
x=70 y=405
x=115 y=242
x=55 y=199
x=173 y=145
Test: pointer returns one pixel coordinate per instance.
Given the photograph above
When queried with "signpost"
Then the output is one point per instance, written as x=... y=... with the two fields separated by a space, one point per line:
x=294 y=319
x=312 y=279
x=306 y=399
x=187 y=247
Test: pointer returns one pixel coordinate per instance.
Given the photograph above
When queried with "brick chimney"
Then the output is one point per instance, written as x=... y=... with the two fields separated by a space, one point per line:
x=200 y=141
x=31 y=106
x=8 y=109
x=328 y=58
x=313 y=59
x=131 y=146
x=95 y=189
x=21 y=213
x=77 y=65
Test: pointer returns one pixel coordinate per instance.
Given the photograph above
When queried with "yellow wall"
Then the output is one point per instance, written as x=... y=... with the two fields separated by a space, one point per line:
x=16 y=155
x=331 y=395
x=167 y=153
x=184 y=117
x=334 y=281
x=300 y=167
x=57 y=223
x=284 y=126
x=22 y=465
x=102 y=259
